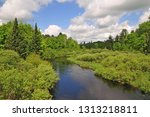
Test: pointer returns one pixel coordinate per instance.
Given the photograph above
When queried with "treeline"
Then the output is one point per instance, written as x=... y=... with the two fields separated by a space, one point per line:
x=25 y=39
x=138 y=40
x=59 y=46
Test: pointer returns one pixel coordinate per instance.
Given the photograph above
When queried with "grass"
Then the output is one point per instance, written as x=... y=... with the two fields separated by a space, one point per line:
x=124 y=67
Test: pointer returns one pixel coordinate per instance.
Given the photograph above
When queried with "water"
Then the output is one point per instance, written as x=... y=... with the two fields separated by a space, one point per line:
x=77 y=83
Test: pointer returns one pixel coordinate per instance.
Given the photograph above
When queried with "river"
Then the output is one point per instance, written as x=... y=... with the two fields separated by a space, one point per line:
x=77 y=83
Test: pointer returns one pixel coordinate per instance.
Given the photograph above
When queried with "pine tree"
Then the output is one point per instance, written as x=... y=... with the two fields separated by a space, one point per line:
x=123 y=35
x=36 y=41
x=148 y=43
x=117 y=38
x=16 y=42
x=13 y=41
x=111 y=42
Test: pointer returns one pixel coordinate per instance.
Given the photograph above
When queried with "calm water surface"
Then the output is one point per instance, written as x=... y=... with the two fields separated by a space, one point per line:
x=77 y=83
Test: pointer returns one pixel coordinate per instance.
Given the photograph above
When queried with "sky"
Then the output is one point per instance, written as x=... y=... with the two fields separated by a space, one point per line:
x=84 y=20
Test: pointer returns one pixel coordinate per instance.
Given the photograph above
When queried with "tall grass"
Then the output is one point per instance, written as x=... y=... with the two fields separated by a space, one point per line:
x=124 y=67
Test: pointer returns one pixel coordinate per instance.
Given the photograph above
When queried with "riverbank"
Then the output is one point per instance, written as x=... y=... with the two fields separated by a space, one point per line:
x=124 y=67
x=77 y=83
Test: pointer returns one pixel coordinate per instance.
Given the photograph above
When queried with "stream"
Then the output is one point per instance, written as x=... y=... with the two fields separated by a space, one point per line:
x=77 y=83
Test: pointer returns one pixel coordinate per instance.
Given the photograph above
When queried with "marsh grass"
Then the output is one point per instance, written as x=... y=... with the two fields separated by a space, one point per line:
x=123 y=67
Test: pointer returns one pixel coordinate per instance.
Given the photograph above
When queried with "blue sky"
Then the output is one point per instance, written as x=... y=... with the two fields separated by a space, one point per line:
x=57 y=14
x=61 y=13
x=72 y=17
x=132 y=18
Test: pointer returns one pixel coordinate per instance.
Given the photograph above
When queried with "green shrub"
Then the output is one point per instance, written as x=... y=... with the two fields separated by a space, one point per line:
x=30 y=79
x=124 y=67
x=9 y=57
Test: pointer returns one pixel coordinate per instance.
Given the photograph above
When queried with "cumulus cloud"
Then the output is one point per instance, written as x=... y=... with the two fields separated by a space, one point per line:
x=86 y=32
x=22 y=9
x=100 y=18
x=145 y=16
x=53 y=30
x=106 y=21
x=96 y=8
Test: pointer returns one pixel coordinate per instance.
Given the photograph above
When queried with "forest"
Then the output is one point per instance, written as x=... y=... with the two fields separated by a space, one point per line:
x=26 y=71
x=136 y=40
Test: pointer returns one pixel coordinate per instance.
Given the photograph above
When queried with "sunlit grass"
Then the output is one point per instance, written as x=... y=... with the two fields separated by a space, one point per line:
x=124 y=67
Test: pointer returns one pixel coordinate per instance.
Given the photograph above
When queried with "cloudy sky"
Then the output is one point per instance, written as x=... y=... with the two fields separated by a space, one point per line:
x=84 y=20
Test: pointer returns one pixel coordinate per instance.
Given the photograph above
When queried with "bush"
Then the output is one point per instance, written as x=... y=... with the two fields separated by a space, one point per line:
x=30 y=79
x=9 y=57
x=124 y=67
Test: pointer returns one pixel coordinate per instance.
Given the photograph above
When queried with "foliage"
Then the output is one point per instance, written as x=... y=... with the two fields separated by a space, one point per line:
x=59 y=42
x=124 y=67
x=12 y=41
x=50 y=54
x=36 y=41
x=25 y=79
x=15 y=41
x=5 y=30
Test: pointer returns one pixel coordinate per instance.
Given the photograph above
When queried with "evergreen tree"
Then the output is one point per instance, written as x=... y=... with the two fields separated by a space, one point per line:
x=36 y=41
x=16 y=41
x=110 y=42
x=148 y=44
x=117 y=38
x=13 y=40
x=123 y=36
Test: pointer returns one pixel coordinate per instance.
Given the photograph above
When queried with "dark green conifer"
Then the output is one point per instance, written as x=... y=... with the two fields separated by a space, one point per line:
x=12 y=42
x=36 y=41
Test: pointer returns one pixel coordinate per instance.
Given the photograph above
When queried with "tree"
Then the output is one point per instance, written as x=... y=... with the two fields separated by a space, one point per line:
x=13 y=40
x=110 y=42
x=5 y=31
x=148 y=44
x=123 y=35
x=36 y=41
x=117 y=38
x=16 y=41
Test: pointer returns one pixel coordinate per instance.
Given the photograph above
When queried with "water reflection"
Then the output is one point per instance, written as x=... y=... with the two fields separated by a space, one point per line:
x=78 y=83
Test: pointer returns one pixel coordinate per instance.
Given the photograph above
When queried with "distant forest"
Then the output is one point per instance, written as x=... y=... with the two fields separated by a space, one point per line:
x=138 y=40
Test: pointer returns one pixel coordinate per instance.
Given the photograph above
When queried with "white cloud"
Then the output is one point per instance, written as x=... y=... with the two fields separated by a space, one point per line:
x=100 y=18
x=0 y=22
x=106 y=21
x=86 y=32
x=22 y=9
x=78 y=20
x=145 y=16
x=53 y=30
x=97 y=8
